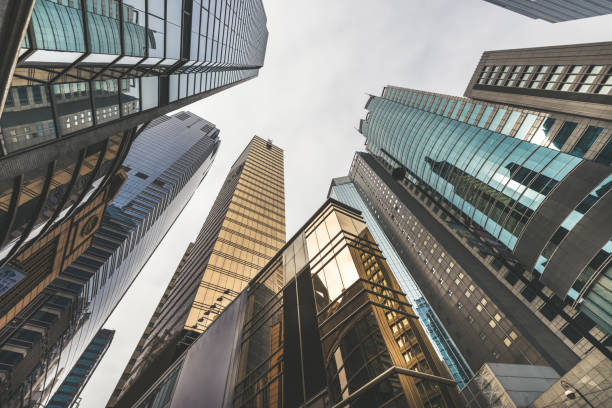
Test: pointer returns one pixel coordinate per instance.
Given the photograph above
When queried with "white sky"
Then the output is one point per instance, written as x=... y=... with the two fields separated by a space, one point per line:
x=323 y=57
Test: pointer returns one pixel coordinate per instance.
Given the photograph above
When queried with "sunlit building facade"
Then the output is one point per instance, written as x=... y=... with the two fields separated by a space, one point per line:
x=165 y=165
x=88 y=71
x=324 y=323
x=526 y=190
x=555 y=11
x=36 y=308
x=243 y=231
x=344 y=190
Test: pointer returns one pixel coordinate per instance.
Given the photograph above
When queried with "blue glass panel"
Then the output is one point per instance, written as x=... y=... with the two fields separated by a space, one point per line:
x=605 y=156
x=497 y=119
x=563 y=134
x=474 y=114
x=526 y=126
x=485 y=116
x=514 y=115
x=58 y=27
x=586 y=140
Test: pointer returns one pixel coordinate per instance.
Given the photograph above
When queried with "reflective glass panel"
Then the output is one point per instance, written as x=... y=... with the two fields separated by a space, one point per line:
x=73 y=106
x=28 y=119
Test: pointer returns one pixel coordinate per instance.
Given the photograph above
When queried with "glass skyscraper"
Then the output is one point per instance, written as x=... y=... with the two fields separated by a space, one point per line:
x=243 y=231
x=69 y=391
x=343 y=190
x=166 y=164
x=90 y=72
x=555 y=11
x=524 y=186
x=323 y=324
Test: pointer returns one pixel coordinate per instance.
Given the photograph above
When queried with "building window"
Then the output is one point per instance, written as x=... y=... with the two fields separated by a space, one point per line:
x=563 y=134
x=586 y=141
x=589 y=78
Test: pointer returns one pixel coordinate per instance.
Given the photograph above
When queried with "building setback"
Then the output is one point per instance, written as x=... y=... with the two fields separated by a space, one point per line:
x=524 y=192
x=120 y=65
x=165 y=165
x=69 y=391
x=324 y=323
x=344 y=190
x=555 y=11
x=243 y=231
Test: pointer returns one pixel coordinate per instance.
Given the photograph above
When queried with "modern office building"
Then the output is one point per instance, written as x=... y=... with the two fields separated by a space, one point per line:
x=571 y=79
x=87 y=73
x=35 y=315
x=518 y=196
x=457 y=283
x=324 y=323
x=555 y=11
x=243 y=231
x=165 y=165
x=344 y=190
x=70 y=389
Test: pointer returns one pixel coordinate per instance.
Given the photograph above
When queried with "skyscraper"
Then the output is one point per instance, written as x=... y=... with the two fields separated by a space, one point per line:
x=35 y=312
x=324 y=323
x=166 y=164
x=344 y=190
x=94 y=71
x=243 y=231
x=79 y=375
x=555 y=11
x=525 y=191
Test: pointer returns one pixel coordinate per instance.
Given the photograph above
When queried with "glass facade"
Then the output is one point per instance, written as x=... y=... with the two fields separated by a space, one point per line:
x=488 y=175
x=90 y=68
x=77 y=378
x=165 y=165
x=555 y=11
x=324 y=322
x=95 y=61
x=346 y=192
x=243 y=231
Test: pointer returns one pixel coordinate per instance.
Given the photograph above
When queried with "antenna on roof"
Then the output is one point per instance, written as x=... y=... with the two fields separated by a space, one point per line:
x=269 y=144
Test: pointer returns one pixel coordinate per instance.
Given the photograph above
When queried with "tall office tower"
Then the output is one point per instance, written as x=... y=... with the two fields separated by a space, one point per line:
x=344 y=190
x=324 y=323
x=81 y=74
x=524 y=194
x=69 y=391
x=555 y=11
x=34 y=315
x=243 y=231
x=165 y=165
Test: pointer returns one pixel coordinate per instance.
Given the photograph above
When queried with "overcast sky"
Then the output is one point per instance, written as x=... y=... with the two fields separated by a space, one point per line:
x=323 y=58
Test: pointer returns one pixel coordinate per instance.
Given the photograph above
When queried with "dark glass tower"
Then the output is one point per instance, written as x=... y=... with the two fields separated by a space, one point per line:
x=324 y=323
x=166 y=164
x=243 y=231
x=525 y=190
x=344 y=190
x=69 y=391
x=555 y=11
x=87 y=73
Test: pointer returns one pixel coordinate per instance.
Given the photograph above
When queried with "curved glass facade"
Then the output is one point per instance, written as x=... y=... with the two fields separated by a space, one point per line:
x=492 y=179
x=568 y=224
